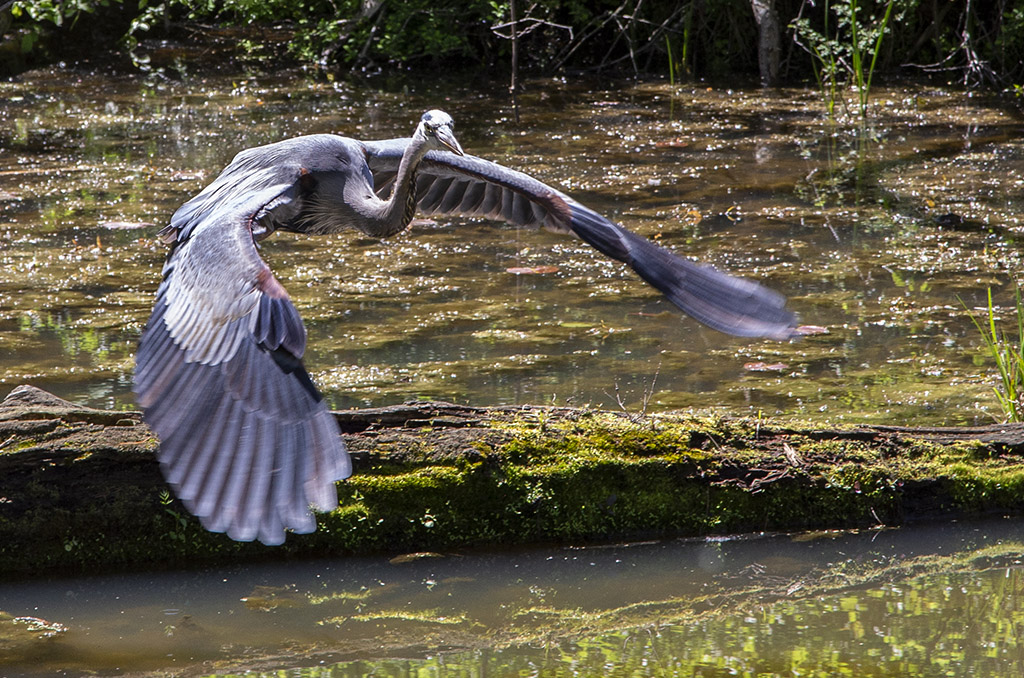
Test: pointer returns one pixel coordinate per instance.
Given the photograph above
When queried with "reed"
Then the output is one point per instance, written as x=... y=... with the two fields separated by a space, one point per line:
x=845 y=51
x=1008 y=354
x=857 y=57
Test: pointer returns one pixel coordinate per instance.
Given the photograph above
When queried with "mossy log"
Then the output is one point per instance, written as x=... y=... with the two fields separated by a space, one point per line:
x=80 y=488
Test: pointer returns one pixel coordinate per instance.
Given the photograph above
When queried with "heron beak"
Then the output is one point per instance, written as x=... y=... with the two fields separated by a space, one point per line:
x=447 y=138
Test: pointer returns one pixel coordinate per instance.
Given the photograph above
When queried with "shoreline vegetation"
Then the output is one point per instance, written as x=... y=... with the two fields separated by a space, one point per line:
x=83 y=491
x=835 y=46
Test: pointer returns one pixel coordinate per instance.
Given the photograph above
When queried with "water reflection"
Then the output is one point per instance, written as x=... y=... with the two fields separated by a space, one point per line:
x=920 y=601
x=962 y=624
x=880 y=235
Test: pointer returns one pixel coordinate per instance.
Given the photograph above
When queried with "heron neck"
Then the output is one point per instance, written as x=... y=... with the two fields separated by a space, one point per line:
x=401 y=206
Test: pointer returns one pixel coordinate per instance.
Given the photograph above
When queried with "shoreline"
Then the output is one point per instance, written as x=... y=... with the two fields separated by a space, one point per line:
x=81 y=489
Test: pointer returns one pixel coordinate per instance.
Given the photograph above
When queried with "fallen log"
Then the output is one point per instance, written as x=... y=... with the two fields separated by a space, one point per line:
x=80 y=488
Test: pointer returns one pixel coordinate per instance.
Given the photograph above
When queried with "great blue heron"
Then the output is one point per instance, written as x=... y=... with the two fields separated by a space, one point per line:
x=246 y=440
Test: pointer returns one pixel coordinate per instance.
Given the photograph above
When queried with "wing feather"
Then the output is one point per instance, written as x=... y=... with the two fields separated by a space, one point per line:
x=452 y=199
x=291 y=435
x=179 y=450
x=190 y=477
x=435 y=194
x=300 y=521
x=246 y=440
x=489 y=205
x=218 y=461
x=322 y=495
x=474 y=194
x=231 y=469
x=471 y=186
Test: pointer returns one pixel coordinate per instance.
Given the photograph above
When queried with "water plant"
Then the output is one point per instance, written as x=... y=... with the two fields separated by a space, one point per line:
x=844 y=52
x=1008 y=353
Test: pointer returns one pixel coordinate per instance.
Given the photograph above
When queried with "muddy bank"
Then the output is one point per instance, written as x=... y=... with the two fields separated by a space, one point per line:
x=80 y=488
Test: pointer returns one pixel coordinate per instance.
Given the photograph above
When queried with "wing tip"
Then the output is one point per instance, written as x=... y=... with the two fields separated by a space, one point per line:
x=721 y=301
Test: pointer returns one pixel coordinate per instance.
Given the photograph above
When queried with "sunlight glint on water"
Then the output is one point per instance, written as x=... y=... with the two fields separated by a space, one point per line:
x=854 y=228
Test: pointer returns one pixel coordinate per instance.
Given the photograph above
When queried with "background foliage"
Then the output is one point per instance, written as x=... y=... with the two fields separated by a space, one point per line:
x=976 y=42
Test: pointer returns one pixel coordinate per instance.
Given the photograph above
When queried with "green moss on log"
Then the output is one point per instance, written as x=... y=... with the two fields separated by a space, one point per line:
x=80 y=489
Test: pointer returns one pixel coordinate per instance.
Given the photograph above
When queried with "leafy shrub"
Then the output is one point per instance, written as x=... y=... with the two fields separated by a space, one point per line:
x=983 y=41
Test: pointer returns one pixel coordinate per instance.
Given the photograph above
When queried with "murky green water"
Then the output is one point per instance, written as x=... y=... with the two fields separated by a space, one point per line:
x=851 y=226
x=924 y=601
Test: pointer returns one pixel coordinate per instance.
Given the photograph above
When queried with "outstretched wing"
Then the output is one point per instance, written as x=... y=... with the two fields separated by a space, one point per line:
x=467 y=185
x=246 y=440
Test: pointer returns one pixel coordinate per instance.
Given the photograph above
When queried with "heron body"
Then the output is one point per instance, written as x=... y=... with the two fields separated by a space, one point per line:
x=247 y=441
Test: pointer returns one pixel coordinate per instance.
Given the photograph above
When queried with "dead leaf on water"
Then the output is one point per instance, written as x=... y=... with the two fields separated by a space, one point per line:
x=644 y=314
x=531 y=270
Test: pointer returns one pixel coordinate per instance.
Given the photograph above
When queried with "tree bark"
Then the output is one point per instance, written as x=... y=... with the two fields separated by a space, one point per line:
x=769 y=45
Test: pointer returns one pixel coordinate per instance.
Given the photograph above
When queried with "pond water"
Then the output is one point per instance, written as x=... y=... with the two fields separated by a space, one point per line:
x=881 y=234
x=922 y=601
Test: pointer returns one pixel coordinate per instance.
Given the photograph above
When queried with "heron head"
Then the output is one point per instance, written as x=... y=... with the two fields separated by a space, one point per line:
x=439 y=130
